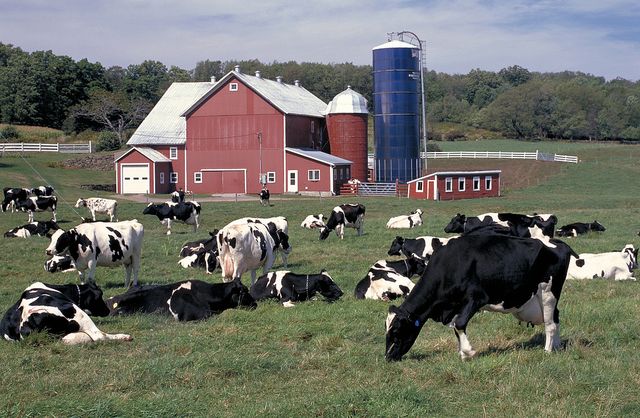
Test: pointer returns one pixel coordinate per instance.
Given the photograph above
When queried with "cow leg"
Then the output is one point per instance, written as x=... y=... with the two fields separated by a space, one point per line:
x=253 y=277
x=464 y=346
x=340 y=231
x=135 y=267
x=54 y=216
x=93 y=215
x=285 y=257
x=551 y=316
x=90 y=332
x=30 y=216
x=459 y=324
x=168 y=226
x=127 y=274
x=197 y=224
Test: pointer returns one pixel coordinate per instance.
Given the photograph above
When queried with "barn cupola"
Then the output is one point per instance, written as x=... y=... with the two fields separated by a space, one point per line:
x=213 y=78
x=279 y=79
x=236 y=68
x=258 y=74
x=297 y=83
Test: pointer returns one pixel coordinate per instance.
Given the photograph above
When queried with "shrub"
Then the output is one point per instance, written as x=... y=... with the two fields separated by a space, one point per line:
x=9 y=132
x=108 y=141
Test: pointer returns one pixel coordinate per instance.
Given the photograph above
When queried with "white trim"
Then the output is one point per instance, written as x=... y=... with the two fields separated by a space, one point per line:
x=122 y=165
x=435 y=188
x=195 y=174
x=275 y=176
x=161 y=177
x=448 y=187
x=490 y=178
x=297 y=176
x=420 y=186
x=473 y=184
x=171 y=177
x=171 y=149
x=309 y=171
x=331 y=181
x=453 y=173
x=233 y=86
x=285 y=176
x=462 y=181
x=244 y=173
x=186 y=177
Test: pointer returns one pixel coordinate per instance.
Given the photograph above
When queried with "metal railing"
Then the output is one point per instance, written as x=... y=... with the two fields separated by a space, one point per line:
x=32 y=147
x=537 y=155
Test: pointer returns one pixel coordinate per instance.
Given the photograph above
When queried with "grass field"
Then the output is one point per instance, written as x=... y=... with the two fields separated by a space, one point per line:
x=320 y=359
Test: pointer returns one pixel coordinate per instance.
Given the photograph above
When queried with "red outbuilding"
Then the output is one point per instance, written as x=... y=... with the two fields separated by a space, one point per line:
x=454 y=185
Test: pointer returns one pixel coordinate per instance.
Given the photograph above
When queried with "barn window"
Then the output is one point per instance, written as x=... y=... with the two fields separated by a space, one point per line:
x=197 y=177
x=162 y=178
x=419 y=186
x=271 y=177
x=313 y=175
x=233 y=86
x=173 y=177
x=313 y=126
x=487 y=183
x=461 y=184
x=448 y=184
x=173 y=153
x=476 y=183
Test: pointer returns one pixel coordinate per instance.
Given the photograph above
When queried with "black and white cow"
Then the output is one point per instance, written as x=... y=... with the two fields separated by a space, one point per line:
x=105 y=244
x=38 y=204
x=187 y=212
x=314 y=221
x=614 y=265
x=43 y=191
x=189 y=300
x=290 y=287
x=247 y=247
x=59 y=263
x=61 y=310
x=12 y=195
x=178 y=196
x=202 y=253
x=264 y=197
x=406 y=221
x=388 y=280
x=43 y=229
x=579 y=228
x=349 y=215
x=274 y=224
x=100 y=205
x=518 y=225
x=521 y=276
x=421 y=247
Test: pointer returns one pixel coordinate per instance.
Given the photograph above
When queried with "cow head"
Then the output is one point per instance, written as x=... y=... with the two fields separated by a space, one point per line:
x=415 y=266
x=324 y=233
x=283 y=241
x=241 y=297
x=402 y=331
x=60 y=241
x=328 y=288
x=396 y=246
x=151 y=209
x=91 y=300
x=596 y=226
x=456 y=224
x=59 y=263
x=81 y=203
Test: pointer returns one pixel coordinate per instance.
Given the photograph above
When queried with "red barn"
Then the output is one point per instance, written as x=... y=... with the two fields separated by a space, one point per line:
x=454 y=185
x=231 y=135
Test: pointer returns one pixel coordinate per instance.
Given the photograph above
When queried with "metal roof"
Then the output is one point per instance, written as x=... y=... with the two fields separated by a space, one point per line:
x=150 y=153
x=320 y=156
x=453 y=173
x=290 y=99
x=395 y=44
x=165 y=124
x=348 y=101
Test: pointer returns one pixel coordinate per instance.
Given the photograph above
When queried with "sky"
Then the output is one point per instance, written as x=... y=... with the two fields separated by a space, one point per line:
x=599 y=37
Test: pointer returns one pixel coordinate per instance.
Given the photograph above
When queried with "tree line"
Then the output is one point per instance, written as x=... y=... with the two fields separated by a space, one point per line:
x=41 y=88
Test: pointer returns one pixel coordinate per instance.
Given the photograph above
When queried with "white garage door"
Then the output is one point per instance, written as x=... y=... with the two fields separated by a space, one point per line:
x=135 y=178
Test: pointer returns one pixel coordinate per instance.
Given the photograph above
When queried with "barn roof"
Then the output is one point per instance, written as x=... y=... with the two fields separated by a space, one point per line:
x=320 y=156
x=165 y=125
x=290 y=99
x=150 y=153
x=456 y=173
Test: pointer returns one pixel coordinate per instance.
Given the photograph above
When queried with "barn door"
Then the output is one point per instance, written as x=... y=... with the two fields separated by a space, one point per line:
x=431 y=190
x=292 y=181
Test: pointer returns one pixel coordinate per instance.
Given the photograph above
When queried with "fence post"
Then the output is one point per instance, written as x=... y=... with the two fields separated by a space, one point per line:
x=89 y=147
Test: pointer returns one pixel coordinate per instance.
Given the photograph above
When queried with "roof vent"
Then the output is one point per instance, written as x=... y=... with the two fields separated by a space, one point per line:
x=213 y=78
x=279 y=79
x=297 y=83
x=258 y=74
x=236 y=69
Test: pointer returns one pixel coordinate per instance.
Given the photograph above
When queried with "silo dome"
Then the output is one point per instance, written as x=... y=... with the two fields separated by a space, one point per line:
x=348 y=101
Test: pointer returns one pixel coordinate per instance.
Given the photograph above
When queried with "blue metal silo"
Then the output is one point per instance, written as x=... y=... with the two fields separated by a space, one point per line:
x=396 y=94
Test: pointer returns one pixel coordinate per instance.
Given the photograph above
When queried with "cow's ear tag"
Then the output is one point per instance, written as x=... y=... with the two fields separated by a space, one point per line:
x=417 y=323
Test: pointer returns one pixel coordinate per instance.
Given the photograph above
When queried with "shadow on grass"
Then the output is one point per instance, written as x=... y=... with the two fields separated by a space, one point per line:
x=535 y=342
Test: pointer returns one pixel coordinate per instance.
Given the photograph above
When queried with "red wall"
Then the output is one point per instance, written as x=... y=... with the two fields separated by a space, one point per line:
x=469 y=193
x=133 y=158
x=296 y=162
x=348 y=139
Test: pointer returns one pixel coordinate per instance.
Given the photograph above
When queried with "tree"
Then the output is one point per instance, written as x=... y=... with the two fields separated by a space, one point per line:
x=515 y=75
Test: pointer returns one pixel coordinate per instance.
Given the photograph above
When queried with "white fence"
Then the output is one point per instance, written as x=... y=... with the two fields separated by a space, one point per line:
x=29 y=147
x=505 y=155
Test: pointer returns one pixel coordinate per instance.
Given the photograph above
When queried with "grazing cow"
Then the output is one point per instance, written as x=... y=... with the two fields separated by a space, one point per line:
x=579 y=228
x=187 y=212
x=59 y=263
x=101 y=244
x=388 y=280
x=247 y=247
x=406 y=221
x=264 y=197
x=421 y=247
x=274 y=224
x=524 y=226
x=178 y=196
x=40 y=228
x=291 y=287
x=521 y=276
x=62 y=310
x=350 y=215
x=43 y=191
x=314 y=221
x=616 y=265
x=38 y=204
x=189 y=300
x=12 y=195
x=100 y=205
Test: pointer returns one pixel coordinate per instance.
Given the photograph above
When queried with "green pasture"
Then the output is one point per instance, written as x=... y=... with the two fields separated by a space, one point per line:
x=320 y=359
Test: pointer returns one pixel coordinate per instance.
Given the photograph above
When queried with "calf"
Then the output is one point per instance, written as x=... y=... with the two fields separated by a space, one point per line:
x=100 y=205
x=421 y=247
x=264 y=197
x=388 y=280
x=59 y=263
x=579 y=228
x=40 y=228
x=314 y=221
x=38 y=204
x=616 y=265
x=101 y=244
x=498 y=273
x=350 y=215
x=202 y=253
x=189 y=300
x=12 y=195
x=43 y=191
x=291 y=287
x=406 y=221
x=62 y=310
x=187 y=212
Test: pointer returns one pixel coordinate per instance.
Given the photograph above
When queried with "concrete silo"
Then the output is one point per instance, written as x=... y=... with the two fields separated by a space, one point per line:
x=396 y=95
x=347 y=118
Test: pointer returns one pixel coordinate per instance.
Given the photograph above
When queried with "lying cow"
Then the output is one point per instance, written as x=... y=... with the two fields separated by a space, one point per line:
x=38 y=204
x=350 y=215
x=12 y=195
x=498 y=273
x=615 y=265
x=291 y=287
x=579 y=228
x=406 y=221
x=59 y=263
x=314 y=221
x=43 y=229
x=421 y=247
x=101 y=244
x=43 y=191
x=515 y=224
x=194 y=247
x=189 y=300
x=201 y=253
x=100 y=205
x=187 y=212
x=61 y=310
x=388 y=280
